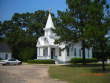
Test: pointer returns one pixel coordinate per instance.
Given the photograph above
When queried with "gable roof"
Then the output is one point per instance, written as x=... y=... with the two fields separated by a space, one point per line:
x=4 y=47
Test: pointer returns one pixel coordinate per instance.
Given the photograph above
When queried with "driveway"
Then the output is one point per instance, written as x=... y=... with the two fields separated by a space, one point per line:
x=26 y=74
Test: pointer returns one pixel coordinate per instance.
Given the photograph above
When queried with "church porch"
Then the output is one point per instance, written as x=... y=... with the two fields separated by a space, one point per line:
x=47 y=52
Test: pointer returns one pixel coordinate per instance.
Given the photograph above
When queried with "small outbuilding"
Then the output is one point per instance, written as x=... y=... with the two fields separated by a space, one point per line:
x=5 y=51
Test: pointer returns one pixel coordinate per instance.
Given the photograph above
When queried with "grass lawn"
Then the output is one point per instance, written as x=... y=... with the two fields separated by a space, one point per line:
x=90 y=73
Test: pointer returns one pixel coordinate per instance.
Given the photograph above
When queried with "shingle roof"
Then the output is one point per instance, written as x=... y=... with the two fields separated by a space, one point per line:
x=4 y=47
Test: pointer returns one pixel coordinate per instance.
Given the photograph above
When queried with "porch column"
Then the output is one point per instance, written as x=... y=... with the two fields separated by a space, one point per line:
x=49 y=52
x=38 y=51
x=41 y=51
x=90 y=53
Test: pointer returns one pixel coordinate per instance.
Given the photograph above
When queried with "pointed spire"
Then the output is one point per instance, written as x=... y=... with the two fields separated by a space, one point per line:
x=49 y=24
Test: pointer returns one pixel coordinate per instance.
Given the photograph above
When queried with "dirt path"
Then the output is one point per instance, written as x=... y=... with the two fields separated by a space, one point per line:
x=26 y=74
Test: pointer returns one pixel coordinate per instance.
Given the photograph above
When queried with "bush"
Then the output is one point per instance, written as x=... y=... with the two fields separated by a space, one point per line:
x=26 y=54
x=80 y=60
x=99 y=55
x=41 y=61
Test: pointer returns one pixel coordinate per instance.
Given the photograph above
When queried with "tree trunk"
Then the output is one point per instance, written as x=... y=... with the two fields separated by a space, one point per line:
x=83 y=52
x=103 y=56
x=103 y=64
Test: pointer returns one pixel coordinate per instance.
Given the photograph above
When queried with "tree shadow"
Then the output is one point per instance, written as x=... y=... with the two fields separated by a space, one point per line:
x=81 y=65
x=99 y=69
x=94 y=68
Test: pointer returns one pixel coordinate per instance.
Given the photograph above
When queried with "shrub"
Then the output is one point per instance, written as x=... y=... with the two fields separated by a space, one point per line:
x=99 y=55
x=80 y=60
x=26 y=54
x=41 y=61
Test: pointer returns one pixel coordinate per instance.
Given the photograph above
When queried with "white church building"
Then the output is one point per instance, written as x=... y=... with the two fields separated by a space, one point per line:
x=61 y=53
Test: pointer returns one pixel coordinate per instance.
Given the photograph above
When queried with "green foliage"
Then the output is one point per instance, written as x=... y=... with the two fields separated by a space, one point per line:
x=23 y=30
x=87 y=21
x=80 y=60
x=26 y=54
x=83 y=20
x=99 y=55
x=41 y=61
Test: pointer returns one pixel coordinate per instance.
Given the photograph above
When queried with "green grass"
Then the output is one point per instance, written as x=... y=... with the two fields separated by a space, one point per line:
x=91 y=73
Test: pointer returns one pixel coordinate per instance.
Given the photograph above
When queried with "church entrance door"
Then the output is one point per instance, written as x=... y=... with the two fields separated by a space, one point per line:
x=52 y=53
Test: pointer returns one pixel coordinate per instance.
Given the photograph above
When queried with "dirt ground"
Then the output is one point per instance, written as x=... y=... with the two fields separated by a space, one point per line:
x=26 y=74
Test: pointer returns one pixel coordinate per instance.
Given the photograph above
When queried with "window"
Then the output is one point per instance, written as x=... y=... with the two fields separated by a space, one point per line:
x=67 y=51
x=88 y=52
x=74 y=51
x=79 y=52
x=45 y=51
x=12 y=59
x=71 y=48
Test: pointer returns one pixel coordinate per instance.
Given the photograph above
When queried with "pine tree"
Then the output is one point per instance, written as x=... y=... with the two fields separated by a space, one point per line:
x=85 y=21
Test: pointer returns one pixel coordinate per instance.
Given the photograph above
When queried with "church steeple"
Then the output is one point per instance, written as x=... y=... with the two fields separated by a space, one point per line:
x=49 y=24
